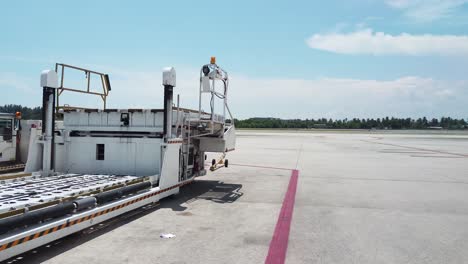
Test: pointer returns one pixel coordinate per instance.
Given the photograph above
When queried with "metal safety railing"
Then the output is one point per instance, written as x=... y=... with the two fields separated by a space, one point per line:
x=210 y=74
x=106 y=87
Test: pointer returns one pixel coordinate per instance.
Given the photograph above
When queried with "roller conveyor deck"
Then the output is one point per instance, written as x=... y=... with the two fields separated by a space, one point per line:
x=34 y=190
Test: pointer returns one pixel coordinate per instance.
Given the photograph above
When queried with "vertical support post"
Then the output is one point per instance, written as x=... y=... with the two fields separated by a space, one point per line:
x=17 y=130
x=178 y=116
x=213 y=102
x=49 y=83
x=54 y=114
x=225 y=104
x=168 y=97
x=62 y=76
x=48 y=121
x=169 y=82
x=88 y=75
x=59 y=92
x=199 y=96
x=225 y=101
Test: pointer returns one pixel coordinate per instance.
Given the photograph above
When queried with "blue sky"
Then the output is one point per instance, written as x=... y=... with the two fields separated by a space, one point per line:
x=304 y=59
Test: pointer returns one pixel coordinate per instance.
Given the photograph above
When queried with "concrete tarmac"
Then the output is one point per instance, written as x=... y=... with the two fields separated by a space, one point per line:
x=362 y=197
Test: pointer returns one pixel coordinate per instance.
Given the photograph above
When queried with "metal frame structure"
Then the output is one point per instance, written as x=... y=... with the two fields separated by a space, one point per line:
x=209 y=74
x=104 y=80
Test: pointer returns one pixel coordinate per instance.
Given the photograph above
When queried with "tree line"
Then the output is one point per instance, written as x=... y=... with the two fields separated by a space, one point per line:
x=355 y=123
x=26 y=112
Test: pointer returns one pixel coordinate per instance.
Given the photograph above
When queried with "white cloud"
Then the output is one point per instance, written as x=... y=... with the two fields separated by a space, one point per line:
x=300 y=98
x=366 y=41
x=426 y=10
x=278 y=97
x=340 y=98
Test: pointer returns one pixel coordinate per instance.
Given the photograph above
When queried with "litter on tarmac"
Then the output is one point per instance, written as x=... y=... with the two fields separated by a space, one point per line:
x=167 y=235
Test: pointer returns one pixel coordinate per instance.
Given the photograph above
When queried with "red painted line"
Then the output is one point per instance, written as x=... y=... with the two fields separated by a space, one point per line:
x=279 y=242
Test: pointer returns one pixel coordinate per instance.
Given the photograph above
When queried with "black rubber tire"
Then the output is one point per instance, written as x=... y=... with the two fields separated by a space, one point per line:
x=213 y=162
x=205 y=156
x=226 y=163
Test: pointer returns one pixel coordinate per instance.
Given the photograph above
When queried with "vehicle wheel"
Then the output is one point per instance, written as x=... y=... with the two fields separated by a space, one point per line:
x=205 y=156
x=226 y=163
x=213 y=162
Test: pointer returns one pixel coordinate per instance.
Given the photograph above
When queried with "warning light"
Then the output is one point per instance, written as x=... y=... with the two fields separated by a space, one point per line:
x=213 y=60
x=18 y=115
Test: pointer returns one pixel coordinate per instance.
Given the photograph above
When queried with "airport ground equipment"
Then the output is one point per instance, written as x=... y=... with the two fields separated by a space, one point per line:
x=97 y=164
x=10 y=138
x=219 y=163
x=7 y=138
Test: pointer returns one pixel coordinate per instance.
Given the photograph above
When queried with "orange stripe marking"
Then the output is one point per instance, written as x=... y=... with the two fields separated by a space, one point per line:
x=15 y=243
x=3 y=247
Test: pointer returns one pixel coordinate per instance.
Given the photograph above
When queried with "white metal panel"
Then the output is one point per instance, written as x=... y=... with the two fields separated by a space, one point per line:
x=83 y=119
x=25 y=135
x=116 y=128
x=49 y=79
x=149 y=118
x=71 y=119
x=159 y=120
x=103 y=119
x=35 y=152
x=170 y=166
x=212 y=144
x=76 y=118
x=137 y=119
x=132 y=156
x=227 y=143
x=230 y=138
x=7 y=150
x=95 y=119
x=119 y=156
x=59 y=155
x=113 y=119
x=169 y=76
x=144 y=121
x=148 y=157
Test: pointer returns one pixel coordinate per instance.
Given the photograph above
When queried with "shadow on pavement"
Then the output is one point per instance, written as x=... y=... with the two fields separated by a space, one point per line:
x=216 y=191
